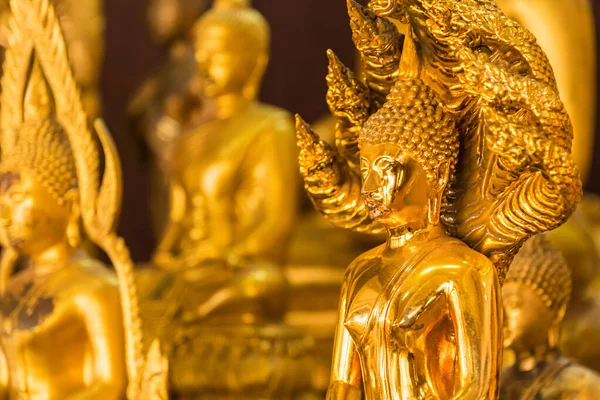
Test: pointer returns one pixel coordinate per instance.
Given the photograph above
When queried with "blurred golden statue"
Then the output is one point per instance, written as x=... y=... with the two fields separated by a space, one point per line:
x=233 y=193
x=69 y=328
x=419 y=315
x=171 y=98
x=83 y=25
x=535 y=297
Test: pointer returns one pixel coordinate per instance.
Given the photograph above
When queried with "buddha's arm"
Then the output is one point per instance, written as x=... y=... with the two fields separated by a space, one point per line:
x=4 y=376
x=266 y=199
x=165 y=253
x=100 y=311
x=475 y=309
x=346 y=379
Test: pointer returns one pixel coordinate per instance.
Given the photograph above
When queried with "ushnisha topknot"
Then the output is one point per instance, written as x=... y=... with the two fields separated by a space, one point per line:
x=414 y=119
x=545 y=270
x=237 y=23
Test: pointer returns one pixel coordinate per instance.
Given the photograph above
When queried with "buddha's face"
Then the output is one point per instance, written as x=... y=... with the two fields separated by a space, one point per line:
x=395 y=187
x=31 y=219
x=224 y=66
x=527 y=321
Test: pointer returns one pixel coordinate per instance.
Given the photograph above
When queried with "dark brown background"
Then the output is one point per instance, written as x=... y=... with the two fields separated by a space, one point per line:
x=301 y=32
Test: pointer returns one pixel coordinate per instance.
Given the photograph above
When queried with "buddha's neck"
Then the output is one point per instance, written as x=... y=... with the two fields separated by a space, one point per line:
x=399 y=237
x=230 y=104
x=52 y=258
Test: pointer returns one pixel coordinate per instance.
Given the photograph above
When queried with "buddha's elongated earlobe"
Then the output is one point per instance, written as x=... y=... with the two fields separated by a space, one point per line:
x=554 y=334
x=251 y=88
x=436 y=193
x=74 y=227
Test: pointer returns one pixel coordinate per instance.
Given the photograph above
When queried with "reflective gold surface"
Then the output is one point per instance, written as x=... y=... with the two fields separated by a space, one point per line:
x=419 y=315
x=565 y=31
x=535 y=297
x=70 y=328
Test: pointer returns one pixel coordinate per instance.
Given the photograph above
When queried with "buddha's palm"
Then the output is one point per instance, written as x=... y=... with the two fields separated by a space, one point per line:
x=515 y=176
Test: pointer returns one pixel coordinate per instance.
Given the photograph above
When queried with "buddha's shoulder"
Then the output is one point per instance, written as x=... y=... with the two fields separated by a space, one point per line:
x=459 y=256
x=88 y=276
x=369 y=260
x=275 y=117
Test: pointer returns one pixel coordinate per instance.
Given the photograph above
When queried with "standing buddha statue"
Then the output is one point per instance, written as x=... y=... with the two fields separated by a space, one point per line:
x=219 y=277
x=69 y=328
x=456 y=143
x=535 y=297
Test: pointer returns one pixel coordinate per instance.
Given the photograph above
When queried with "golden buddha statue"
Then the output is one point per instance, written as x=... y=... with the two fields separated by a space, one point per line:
x=69 y=327
x=214 y=222
x=419 y=315
x=233 y=193
x=535 y=297
x=170 y=98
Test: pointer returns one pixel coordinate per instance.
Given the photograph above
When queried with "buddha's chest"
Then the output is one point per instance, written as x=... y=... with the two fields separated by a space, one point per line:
x=31 y=309
x=381 y=304
x=213 y=166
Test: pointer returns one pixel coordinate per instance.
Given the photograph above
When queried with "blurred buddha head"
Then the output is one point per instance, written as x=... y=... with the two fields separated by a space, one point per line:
x=170 y=19
x=408 y=154
x=535 y=296
x=232 y=49
x=39 y=198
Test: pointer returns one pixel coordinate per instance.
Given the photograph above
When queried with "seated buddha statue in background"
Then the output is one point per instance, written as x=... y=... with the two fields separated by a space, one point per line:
x=233 y=203
x=169 y=98
x=535 y=297
x=233 y=193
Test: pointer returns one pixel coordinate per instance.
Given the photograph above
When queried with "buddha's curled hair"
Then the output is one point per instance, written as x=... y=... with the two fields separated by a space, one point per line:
x=413 y=119
x=545 y=270
x=42 y=146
